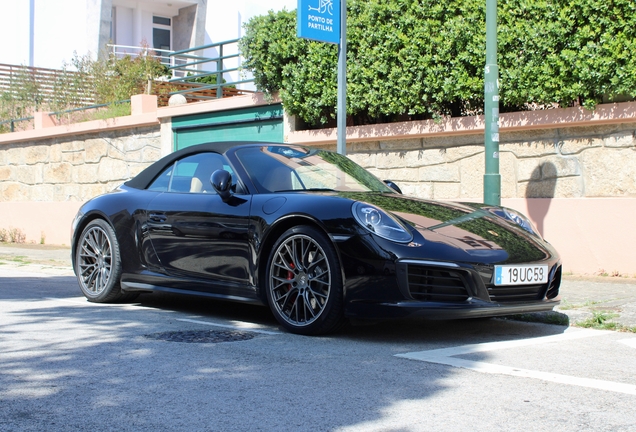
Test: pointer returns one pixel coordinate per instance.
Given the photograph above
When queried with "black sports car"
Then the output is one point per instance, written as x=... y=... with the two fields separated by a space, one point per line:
x=311 y=234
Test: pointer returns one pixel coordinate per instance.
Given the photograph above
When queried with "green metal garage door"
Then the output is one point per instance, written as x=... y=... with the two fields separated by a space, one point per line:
x=264 y=123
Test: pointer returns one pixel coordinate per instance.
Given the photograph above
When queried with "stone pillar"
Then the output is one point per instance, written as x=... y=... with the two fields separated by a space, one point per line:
x=289 y=125
x=143 y=104
x=42 y=120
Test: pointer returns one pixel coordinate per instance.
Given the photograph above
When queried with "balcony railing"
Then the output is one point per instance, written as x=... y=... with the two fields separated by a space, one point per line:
x=192 y=68
x=121 y=51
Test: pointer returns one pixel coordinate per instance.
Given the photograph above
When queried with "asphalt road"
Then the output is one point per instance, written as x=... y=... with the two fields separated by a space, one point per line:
x=178 y=363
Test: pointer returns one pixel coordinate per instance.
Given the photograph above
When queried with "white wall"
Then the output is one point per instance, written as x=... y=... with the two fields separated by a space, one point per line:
x=146 y=27
x=58 y=35
x=225 y=21
x=124 y=26
x=14 y=32
x=60 y=29
x=225 y=18
x=255 y=7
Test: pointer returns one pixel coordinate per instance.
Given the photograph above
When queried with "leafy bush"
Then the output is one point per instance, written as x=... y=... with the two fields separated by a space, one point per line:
x=117 y=79
x=566 y=51
x=414 y=59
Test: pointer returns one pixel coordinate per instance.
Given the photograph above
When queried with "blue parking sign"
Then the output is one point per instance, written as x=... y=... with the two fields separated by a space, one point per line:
x=319 y=20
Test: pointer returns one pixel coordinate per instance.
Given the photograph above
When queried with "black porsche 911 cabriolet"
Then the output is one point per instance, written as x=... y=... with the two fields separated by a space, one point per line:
x=311 y=234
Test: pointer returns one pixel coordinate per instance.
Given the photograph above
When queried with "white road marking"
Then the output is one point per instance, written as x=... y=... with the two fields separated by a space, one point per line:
x=238 y=325
x=629 y=342
x=445 y=356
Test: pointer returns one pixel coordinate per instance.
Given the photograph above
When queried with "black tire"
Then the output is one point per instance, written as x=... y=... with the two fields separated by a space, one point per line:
x=304 y=282
x=98 y=264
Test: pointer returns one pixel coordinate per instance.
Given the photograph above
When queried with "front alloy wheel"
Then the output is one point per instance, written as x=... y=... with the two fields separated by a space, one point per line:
x=98 y=263
x=304 y=282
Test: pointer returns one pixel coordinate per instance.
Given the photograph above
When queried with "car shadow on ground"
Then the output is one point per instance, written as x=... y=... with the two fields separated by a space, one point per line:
x=405 y=330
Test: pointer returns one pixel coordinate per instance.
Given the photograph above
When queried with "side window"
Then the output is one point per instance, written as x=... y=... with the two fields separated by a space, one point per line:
x=266 y=172
x=162 y=182
x=191 y=174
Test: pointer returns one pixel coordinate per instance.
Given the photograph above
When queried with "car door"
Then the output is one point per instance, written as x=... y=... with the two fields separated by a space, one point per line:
x=194 y=233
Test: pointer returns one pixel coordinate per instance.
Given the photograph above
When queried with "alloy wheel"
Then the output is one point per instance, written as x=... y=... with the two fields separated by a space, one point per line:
x=95 y=260
x=300 y=280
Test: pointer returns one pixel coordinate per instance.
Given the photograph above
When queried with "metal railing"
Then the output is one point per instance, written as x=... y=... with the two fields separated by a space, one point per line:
x=13 y=122
x=57 y=114
x=86 y=108
x=121 y=51
x=189 y=67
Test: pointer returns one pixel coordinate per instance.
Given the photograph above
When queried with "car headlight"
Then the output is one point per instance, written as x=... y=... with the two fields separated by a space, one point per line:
x=381 y=223
x=518 y=219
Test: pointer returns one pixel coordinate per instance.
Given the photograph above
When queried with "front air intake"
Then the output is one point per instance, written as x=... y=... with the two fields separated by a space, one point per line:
x=436 y=284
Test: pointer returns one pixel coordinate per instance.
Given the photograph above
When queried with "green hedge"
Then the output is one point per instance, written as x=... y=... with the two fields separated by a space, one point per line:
x=417 y=59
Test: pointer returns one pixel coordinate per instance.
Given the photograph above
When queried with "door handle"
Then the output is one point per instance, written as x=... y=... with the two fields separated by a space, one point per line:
x=157 y=217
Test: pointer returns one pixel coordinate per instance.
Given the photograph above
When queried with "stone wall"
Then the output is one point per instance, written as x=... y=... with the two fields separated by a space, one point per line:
x=575 y=162
x=75 y=168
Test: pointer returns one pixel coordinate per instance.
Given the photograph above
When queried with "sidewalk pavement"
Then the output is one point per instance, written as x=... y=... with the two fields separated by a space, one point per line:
x=581 y=296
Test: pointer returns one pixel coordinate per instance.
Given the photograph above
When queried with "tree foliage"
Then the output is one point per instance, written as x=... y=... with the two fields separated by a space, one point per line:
x=413 y=59
x=118 y=78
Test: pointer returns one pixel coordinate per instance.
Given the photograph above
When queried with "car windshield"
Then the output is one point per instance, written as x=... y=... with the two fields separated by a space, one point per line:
x=284 y=168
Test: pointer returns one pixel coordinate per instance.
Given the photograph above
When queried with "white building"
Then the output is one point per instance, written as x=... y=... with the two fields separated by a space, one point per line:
x=47 y=33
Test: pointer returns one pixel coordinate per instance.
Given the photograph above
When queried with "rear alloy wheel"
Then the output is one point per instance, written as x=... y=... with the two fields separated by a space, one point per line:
x=304 y=282
x=98 y=263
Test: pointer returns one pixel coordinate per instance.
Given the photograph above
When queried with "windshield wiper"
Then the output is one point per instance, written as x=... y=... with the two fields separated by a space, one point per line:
x=307 y=190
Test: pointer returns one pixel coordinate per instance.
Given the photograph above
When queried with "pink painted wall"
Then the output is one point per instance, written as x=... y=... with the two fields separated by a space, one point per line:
x=51 y=219
x=593 y=235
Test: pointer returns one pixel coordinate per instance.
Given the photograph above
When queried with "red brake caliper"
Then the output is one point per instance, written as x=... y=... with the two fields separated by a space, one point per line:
x=290 y=275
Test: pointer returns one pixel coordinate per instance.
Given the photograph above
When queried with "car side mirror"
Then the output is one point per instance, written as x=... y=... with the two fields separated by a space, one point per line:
x=221 y=181
x=393 y=186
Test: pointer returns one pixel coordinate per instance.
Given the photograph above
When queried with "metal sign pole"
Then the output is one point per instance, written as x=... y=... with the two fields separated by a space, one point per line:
x=320 y=20
x=341 y=111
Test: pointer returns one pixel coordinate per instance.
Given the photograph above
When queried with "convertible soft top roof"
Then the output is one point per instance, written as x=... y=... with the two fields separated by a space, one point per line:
x=144 y=178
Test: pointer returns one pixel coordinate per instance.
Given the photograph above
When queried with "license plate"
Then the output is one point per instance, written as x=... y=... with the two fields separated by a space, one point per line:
x=521 y=274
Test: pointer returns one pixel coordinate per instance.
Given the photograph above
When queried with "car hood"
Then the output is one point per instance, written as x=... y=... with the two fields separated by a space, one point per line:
x=477 y=231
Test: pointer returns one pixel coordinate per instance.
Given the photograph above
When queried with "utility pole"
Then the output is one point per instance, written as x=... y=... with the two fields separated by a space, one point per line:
x=492 y=178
